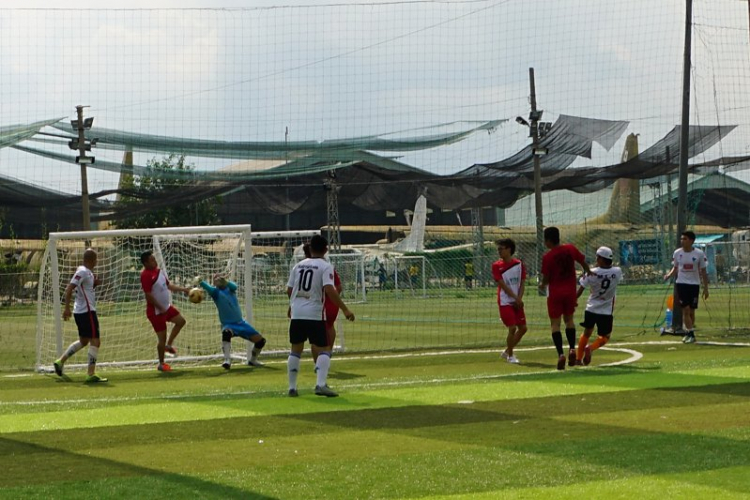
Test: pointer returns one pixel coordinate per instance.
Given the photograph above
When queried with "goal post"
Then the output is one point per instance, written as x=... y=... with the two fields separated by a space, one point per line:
x=258 y=262
x=410 y=273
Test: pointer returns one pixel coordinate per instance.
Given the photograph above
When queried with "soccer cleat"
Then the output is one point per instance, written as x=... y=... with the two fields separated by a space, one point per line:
x=163 y=367
x=572 y=357
x=579 y=362
x=504 y=355
x=586 y=355
x=226 y=366
x=561 y=362
x=293 y=393
x=513 y=360
x=170 y=350
x=58 y=367
x=254 y=362
x=689 y=339
x=95 y=379
x=325 y=391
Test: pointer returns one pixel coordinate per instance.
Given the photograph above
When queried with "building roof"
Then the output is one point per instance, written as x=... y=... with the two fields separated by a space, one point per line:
x=721 y=200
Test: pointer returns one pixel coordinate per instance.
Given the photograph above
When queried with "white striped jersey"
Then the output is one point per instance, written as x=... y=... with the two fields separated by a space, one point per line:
x=83 y=280
x=603 y=287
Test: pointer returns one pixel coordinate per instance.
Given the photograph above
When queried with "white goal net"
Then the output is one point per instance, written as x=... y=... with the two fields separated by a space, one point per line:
x=182 y=253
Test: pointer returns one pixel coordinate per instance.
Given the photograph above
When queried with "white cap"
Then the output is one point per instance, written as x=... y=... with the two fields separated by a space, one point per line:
x=605 y=252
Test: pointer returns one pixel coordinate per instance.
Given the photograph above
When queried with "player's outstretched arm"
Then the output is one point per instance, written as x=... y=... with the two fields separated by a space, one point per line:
x=586 y=268
x=176 y=288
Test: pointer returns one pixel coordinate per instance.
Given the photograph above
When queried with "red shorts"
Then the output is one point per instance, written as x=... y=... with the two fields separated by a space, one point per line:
x=159 y=321
x=561 y=305
x=512 y=316
x=332 y=312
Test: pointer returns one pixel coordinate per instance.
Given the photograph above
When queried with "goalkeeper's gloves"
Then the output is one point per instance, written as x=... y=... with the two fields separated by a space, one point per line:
x=197 y=281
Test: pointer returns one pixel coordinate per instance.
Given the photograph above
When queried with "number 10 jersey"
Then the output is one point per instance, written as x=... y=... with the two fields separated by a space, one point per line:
x=307 y=280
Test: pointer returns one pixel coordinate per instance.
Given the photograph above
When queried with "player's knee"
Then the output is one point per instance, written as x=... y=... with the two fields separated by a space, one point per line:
x=522 y=329
x=260 y=344
x=226 y=335
x=603 y=339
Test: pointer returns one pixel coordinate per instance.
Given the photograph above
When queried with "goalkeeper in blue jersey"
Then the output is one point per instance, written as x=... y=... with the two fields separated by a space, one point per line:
x=224 y=295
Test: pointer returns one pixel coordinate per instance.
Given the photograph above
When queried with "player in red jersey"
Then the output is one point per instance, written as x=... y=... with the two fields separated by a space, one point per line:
x=559 y=283
x=510 y=275
x=159 y=308
x=331 y=309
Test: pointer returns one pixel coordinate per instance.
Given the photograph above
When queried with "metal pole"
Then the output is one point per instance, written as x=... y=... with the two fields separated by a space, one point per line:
x=684 y=138
x=287 y=218
x=534 y=129
x=84 y=176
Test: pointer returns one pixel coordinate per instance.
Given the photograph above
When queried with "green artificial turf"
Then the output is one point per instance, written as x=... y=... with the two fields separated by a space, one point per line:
x=670 y=424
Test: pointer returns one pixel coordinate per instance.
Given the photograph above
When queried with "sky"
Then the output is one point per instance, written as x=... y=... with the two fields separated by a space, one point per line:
x=263 y=70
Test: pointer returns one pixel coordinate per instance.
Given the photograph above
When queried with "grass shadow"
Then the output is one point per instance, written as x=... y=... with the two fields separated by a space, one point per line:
x=24 y=464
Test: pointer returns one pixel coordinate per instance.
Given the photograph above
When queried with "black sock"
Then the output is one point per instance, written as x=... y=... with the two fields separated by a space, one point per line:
x=571 y=334
x=557 y=339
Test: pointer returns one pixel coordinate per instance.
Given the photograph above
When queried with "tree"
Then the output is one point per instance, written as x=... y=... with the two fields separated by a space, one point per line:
x=163 y=179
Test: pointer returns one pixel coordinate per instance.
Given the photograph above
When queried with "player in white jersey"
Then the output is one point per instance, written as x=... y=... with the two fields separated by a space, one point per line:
x=310 y=281
x=689 y=269
x=84 y=313
x=602 y=282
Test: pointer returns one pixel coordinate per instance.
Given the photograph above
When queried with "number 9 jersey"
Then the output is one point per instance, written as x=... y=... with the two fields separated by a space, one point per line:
x=307 y=280
x=603 y=285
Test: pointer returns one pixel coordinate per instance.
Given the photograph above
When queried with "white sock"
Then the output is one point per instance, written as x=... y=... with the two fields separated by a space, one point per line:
x=93 y=353
x=292 y=366
x=226 y=348
x=73 y=348
x=321 y=367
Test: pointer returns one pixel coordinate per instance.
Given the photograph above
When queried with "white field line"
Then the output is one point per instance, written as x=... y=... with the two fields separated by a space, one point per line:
x=459 y=351
x=612 y=347
x=634 y=356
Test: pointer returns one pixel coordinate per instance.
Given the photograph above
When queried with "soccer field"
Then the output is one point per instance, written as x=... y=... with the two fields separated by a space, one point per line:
x=390 y=321
x=652 y=419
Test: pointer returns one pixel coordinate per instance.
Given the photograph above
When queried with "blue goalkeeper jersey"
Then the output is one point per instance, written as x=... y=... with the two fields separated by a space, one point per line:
x=226 y=302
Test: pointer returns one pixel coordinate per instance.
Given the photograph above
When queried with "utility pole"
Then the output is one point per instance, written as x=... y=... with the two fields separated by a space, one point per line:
x=684 y=138
x=80 y=125
x=534 y=118
x=332 y=205
x=477 y=231
x=287 y=217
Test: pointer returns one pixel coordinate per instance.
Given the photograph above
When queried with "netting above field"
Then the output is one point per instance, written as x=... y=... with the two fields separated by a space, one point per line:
x=421 y=97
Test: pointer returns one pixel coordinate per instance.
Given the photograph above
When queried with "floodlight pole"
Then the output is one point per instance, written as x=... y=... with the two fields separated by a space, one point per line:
x=684 y=138
x=332 y=212
x=534 y=130
x=84 y=175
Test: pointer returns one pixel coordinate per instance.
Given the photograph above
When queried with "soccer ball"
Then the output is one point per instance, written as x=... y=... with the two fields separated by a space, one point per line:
x=195 y=295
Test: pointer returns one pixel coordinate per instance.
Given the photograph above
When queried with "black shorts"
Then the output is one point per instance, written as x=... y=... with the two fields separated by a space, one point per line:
x=301 y=330
x=602 y=322
x=688 y=295
x=88 y=325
